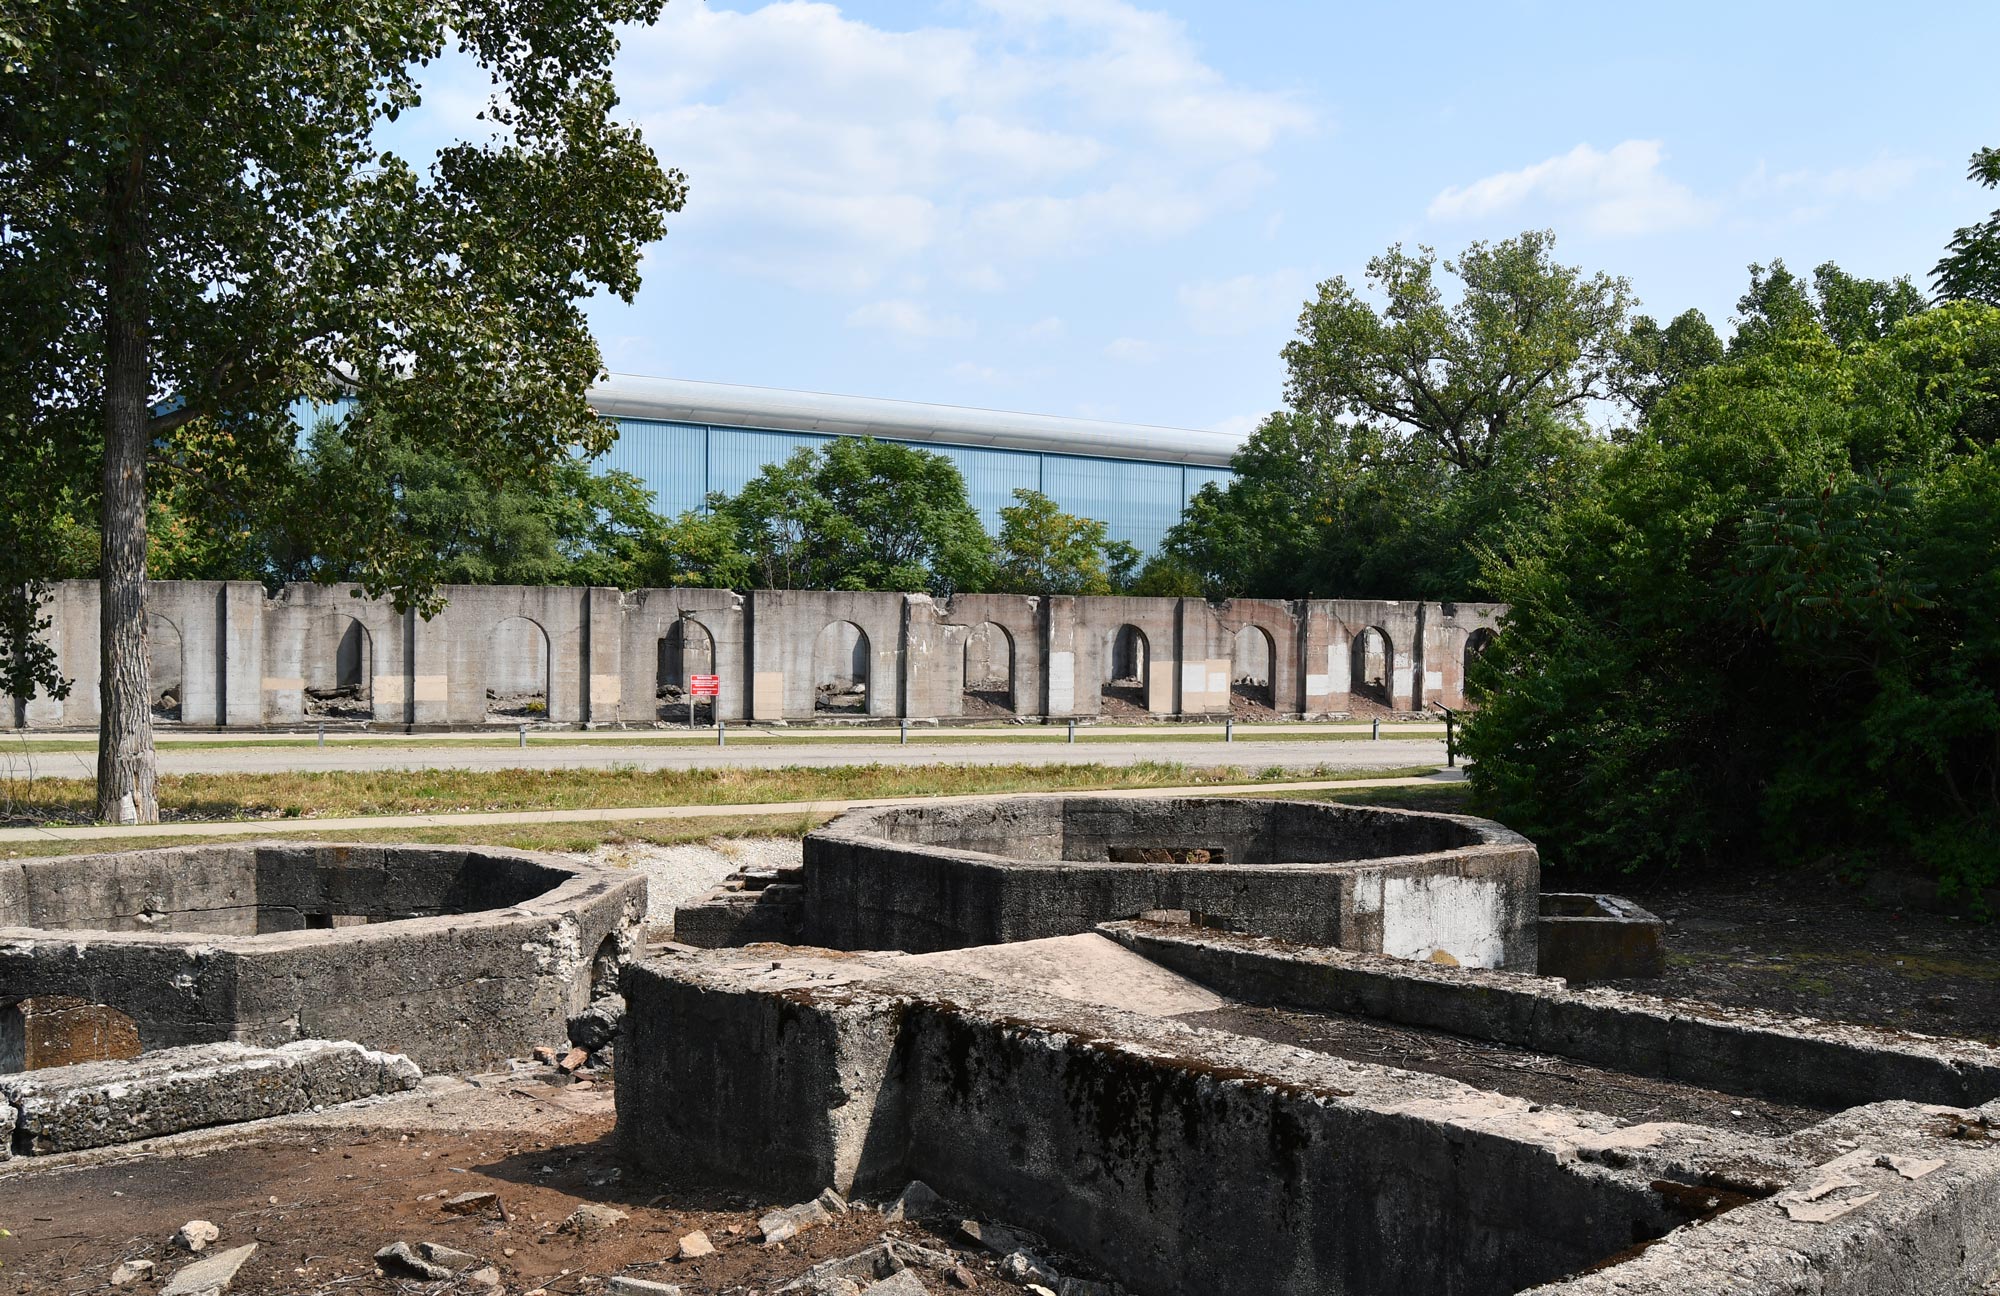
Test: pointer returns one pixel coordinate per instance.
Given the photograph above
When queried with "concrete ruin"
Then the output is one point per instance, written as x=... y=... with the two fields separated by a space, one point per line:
x=457 y=957
x=1104 y=1082
x=1445 y=888
x=230 y=655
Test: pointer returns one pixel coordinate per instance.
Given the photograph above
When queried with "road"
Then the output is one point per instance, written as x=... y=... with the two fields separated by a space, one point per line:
x=1291 y=753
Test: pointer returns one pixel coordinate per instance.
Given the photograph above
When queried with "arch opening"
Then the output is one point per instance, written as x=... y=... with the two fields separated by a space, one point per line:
x=686 y=650
x=517 y=672
x=1253 y=659
x=989 y=671
x=1126 y=658
x=841 y=660
x=1476 y=645
x=163 y=660
x=1372 y=659
x=342 y=687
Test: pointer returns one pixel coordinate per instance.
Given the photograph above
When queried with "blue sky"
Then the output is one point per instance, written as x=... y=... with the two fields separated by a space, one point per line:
x=1116 y=209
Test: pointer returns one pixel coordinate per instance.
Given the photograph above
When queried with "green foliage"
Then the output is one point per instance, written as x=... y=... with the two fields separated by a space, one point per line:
x=1849 y=311
x=703 y=548
x=1970 y=267
x=1427 y=439
x=860 y=514
x=1043 y=550
x=1652 y=361
x=1775 y=629
x=203 y=183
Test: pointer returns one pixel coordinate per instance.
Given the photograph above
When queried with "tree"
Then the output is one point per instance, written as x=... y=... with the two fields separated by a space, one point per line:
x=1848 y=310
x=1043 y=550
x=861 y=514
x=1525 y=334
x=201 y=229
x=1970 y=268
x=1652 y=361
x=1774 y=629
x=703 y=548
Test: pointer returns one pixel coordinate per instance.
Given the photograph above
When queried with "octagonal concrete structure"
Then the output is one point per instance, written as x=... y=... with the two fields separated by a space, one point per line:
x=455 y=956
x=1441 y=888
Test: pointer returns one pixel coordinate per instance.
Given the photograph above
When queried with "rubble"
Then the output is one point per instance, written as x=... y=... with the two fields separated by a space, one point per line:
x=694 y=1246
x=914 y=1202
x=591 y=1218
x=211 y=1275
x=195 y=1235
x=789 y=1222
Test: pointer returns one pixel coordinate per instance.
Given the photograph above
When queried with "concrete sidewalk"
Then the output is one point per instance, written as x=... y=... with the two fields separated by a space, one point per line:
x=628 y=814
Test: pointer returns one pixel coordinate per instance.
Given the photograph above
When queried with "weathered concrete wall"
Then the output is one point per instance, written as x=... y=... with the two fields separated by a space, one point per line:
x=1415 y=886
x=1183 y=1160
x=226 y=654
x=455 y=956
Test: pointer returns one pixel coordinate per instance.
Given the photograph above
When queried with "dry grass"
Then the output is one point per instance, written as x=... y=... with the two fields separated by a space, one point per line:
x=344 y=794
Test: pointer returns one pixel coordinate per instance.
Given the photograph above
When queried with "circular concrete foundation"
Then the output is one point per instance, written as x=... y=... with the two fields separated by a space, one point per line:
x=455 y=956
x=1445 y=888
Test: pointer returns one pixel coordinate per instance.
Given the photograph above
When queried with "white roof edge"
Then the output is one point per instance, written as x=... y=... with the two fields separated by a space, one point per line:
x=685 y=400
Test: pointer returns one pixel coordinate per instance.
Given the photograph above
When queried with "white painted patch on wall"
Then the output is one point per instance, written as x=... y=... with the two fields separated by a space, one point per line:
x=1062 y=683
x=1423 y=917
x=1433 y=679
x=1318 y=685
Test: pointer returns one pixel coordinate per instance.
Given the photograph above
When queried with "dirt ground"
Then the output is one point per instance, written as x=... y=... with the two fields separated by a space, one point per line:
x=1821 y=947
x=321 y=1201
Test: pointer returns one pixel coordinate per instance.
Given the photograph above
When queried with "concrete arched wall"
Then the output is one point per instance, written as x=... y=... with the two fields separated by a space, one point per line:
x=248 y=656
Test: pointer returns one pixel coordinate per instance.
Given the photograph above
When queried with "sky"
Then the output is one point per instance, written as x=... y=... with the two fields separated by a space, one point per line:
x=1116 y=209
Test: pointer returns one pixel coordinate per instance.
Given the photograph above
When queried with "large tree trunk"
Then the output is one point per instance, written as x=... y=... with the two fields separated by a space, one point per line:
x=127 y=773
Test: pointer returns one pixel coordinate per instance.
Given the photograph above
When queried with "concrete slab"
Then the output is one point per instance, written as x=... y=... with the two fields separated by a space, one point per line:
x=1088 y=968
x=211 y=1275
x=94 y=1104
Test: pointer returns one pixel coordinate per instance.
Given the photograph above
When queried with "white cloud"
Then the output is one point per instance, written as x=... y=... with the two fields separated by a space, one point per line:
x=1134 y=351
x=908 y=319
x=834 y=154
x=1622 y=191
x=1047 y=329
x=1244 y=303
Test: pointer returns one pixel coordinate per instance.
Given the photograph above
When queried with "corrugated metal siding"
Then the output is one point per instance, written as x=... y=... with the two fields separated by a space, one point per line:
x=672 y=458
x=1137 y=502
x=992 y=477
x=1194 y=477
x=735 y=454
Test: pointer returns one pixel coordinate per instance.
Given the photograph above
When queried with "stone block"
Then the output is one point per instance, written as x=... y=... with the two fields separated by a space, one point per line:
x=95 y=1104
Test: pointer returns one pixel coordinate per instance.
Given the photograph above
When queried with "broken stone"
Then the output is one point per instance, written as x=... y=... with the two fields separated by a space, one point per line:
x=471 y=1203
x=592 y=1218
x=543 y=1053
x=960 y=1276
x=779 y=1225
x=130 y=1272
x=211 y=1275
x=450 y=1257
x=998 y=1238
x=901 y=1283
x=845 y=1274
x=195 y=1234
x=914 y=1202
x=487 y=1277
x=1028 y=1269
x=1036 y=1289
x=834 y=1203
x=623 y=1286
x=598 y=1024
x=399 y=1260
x=572 y=1061
x=695 y=1245
x=1087 y=1287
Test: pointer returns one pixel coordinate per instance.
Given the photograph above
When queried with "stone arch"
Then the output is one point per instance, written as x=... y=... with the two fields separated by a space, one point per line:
x=841 y=669
x=1127 y=659
x=517 y=671
x=166 y=664
x=1373 y=660
x=989 y=669
x=1476 y=645
x=343 y=688
x=1252 y=670
x=687 y=649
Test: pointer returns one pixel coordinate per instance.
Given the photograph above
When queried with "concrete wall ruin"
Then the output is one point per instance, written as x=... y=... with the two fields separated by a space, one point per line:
x=229 y=655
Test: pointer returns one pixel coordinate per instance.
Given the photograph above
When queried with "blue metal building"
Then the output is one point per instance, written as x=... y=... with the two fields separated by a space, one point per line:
x=686 y=439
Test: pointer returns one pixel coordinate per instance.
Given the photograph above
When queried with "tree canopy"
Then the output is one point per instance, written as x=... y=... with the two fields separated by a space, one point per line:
x=1970 y=267
x=202 y=229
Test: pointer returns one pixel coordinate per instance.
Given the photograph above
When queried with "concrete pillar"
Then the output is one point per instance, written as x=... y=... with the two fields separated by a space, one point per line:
x=240 y=641
x=1062 y=663
x=426 y=656
x=927 y=672
x=603 y=656
x=767 y=656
